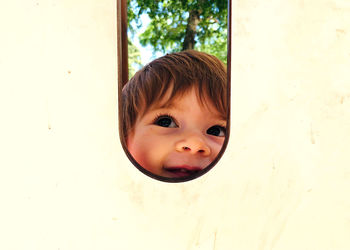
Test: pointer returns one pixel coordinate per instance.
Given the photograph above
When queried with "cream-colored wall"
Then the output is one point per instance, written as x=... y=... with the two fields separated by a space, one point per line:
x=283 y=182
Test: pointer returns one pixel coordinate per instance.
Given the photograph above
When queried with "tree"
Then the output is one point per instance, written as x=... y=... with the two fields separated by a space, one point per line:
x=182 y=24
x=134 y=58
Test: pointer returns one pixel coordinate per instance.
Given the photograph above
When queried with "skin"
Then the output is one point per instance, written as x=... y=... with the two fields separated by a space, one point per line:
x=173 y=140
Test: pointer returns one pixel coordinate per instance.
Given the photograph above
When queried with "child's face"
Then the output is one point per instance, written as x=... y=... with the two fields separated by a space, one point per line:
x=177 y=139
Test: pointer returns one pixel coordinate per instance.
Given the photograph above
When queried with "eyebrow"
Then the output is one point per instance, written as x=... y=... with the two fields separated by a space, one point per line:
x=171 y=105
x=218 y=116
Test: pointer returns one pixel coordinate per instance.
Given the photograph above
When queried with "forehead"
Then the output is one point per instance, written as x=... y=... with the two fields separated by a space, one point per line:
x=181 y=102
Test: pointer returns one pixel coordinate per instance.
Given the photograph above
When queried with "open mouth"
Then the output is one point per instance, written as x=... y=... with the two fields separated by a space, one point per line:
x=182 y=171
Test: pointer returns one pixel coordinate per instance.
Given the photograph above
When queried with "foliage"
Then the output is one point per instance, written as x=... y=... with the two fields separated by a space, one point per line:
x=169 y=23
x=134 y=58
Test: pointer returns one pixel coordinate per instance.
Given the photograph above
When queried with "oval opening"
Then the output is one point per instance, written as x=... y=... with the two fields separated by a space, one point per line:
x=174 y=112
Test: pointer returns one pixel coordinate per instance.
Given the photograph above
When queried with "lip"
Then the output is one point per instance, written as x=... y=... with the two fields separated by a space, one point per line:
x=181 y=171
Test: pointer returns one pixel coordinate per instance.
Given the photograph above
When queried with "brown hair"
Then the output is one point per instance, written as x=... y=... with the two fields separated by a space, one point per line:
x=177 y=71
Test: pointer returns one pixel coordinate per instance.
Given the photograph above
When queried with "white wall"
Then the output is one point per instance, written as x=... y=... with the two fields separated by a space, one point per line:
x=283 y=182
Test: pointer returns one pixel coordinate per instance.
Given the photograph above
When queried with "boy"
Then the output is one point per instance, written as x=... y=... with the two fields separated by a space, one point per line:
x=174 y=113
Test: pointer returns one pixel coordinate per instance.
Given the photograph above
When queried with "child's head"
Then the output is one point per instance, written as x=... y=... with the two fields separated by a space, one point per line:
x=174 y=113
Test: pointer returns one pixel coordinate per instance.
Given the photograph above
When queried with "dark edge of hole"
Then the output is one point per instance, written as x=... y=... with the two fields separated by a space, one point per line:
x=122 y=49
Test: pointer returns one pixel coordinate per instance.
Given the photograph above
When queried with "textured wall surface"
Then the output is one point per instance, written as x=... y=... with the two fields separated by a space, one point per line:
x=283 y=183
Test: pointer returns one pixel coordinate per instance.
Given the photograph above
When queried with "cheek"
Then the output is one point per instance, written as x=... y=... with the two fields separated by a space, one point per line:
x=148 y=151
x=216 y=146
x=154 y=150
x=138 y=150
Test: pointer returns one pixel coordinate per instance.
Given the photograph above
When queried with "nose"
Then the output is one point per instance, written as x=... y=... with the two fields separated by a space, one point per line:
x=193 y=144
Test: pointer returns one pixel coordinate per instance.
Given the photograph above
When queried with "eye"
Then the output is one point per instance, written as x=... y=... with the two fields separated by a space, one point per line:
x=165 y=121
x=217 y=131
